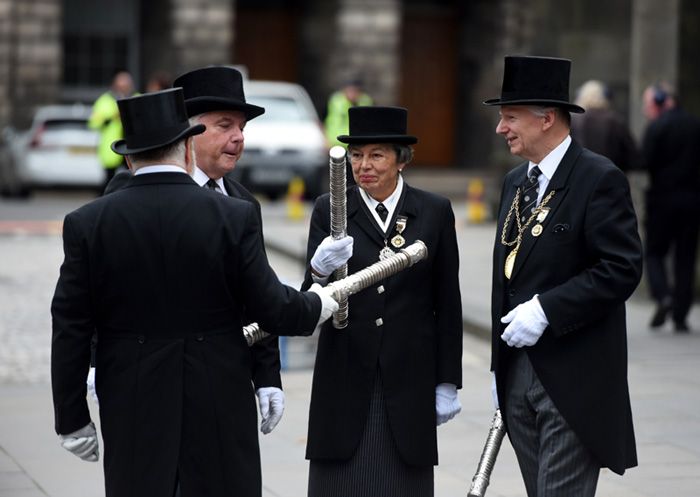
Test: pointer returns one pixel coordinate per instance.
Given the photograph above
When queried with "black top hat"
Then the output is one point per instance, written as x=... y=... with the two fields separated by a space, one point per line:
x=536 y=81
x=152 y=121
x=371 y=124
x=215 y=88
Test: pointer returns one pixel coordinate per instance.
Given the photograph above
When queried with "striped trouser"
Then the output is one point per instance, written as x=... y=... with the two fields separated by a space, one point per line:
x=552 y=459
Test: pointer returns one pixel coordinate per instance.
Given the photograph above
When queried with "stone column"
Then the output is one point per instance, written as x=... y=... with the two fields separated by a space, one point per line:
x=367 y=44
x=202 y=33
x=654 y=51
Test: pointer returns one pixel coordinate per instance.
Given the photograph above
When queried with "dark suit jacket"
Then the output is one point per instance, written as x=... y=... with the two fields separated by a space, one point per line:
x=584 y=266
x=266 y=354
x=173 y=368
x=418 y=345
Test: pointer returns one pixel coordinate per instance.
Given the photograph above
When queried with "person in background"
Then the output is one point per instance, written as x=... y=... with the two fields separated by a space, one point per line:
x=336 y=122
x=106 y=120
x=671 y=150
x=158 y=81
x=177 y=407
x=566 y=258
x=382 y=385
x=601 y=130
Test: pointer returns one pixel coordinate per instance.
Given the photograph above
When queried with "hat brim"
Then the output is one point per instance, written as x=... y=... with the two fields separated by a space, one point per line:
x=120 y=147
x=364 y=139
x=524 y=101
x=200 y=105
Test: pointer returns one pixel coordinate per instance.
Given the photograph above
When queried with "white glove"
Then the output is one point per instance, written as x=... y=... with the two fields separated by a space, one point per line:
x=328 y=305
x=331 y=254
x=447 y=404
x=527 y=323
x=271 y=402
x=494 y=391
x=83 y=443
x=92 y=392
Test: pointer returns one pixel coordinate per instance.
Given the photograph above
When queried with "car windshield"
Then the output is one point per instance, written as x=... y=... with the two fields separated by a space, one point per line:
x=280 y=109
x=63 y=124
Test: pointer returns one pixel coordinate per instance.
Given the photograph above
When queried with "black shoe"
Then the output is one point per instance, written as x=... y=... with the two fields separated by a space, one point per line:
x=681 y=327
x=659 y=317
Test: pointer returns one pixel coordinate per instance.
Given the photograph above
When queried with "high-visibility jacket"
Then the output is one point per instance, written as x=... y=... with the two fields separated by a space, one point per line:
x=105 y=119
x=336 y=122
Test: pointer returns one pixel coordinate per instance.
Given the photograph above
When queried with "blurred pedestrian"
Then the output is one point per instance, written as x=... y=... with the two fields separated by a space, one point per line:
x=601 y=130
x=383 y=384
x=566 y=258
x=158 y=81
x=173 y=373
x=671 y=148
x=336 y=122
x=105 y=119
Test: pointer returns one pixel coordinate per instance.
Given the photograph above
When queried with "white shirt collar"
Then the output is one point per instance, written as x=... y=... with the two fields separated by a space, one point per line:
x=159 y=168
x=390 y=203
x=201 y=178
x=551 y=161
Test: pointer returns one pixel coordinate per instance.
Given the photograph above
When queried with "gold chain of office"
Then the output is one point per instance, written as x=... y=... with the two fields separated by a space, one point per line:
x=515 y=207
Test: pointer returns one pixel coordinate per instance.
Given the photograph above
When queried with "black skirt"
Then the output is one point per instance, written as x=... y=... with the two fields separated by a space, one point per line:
x=376 y=469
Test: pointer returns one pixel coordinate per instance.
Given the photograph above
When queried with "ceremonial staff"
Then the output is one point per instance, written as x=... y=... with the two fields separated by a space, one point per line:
x=339 y=222
x=342 y=289
x=488 y=457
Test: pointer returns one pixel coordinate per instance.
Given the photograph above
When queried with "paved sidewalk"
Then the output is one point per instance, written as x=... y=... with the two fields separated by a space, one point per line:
x=664 y=384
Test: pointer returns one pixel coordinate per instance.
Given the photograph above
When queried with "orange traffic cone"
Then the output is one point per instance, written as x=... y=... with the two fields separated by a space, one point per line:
x=295 y=199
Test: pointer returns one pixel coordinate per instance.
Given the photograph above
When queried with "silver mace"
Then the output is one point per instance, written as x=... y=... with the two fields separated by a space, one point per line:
x=488 y=457
x=339 y=223
x=350 y=285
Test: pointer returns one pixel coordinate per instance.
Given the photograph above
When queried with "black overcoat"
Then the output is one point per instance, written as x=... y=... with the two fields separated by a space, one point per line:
x=416 y=345
x=584 y=266
x=162 y=270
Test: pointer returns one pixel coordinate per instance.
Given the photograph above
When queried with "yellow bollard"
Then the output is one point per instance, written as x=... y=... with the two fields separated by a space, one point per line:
x=295 y=199
x=476 y=210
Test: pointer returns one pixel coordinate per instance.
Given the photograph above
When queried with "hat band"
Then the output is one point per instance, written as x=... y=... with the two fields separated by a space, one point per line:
x=522 y=95
x=154 y=137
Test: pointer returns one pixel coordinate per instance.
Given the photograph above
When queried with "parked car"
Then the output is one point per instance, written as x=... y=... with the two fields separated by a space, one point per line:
x=58 y=150
x=287 y=141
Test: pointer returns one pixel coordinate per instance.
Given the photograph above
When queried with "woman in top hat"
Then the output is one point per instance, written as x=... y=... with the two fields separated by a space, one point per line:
x=383 y=384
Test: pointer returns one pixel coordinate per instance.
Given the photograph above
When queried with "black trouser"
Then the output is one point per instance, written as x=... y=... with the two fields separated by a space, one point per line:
x=672 y=229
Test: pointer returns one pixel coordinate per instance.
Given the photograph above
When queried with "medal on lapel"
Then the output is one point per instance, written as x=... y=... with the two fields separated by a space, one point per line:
x=536 y=230
x=399 y=241
x=385 y=252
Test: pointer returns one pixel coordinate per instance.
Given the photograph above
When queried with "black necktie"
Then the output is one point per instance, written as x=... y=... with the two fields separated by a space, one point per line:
x=382 y=211
x=530 y=191
x=211 y=184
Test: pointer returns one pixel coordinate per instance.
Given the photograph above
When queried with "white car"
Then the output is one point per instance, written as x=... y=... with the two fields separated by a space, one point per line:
x=58 y=150
x=287 y=141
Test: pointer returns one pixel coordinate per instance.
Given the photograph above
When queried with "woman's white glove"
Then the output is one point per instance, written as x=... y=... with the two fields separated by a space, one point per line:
x=328 y=304
x=92 y=392
x=331 y=254
x=527 y=323
x=271 y=402
x=83 y=443
x=447 y=404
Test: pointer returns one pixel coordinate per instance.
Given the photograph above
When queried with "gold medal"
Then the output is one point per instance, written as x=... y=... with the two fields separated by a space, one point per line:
x=542 y=214
x=510 y=262
x=398 y=241
x=385 y=253
x=536 y=230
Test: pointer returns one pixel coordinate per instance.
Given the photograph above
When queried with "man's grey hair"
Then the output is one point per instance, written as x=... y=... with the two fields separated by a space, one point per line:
x=404 y=153
x=541 y=111
x=169 y=154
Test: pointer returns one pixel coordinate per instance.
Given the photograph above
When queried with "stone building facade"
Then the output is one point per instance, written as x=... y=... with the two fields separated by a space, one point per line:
x=439 y=58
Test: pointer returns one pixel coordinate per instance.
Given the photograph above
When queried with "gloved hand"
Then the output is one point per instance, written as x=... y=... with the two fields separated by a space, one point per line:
x=494 y=391
x=328 y=305
x=271 y=402
x=92 y=392
x=83 y=443
x=447 y=404
x=527 y=323
x=331 y=254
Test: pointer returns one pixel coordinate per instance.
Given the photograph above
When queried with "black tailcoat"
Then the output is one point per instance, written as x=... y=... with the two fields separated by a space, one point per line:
x=584 y=266
x=416 y=346
x=162 y=270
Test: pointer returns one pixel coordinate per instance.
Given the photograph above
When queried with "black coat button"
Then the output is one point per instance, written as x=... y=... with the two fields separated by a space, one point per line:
x=200 y=338
x=141 y=339
x=511 y=293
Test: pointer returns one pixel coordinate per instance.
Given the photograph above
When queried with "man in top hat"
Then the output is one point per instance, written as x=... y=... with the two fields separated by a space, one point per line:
x=567 y=256
x=382 y=385
x=173 y=368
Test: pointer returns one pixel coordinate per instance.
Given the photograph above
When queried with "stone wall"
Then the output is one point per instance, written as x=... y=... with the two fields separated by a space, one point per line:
x=30 y=57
